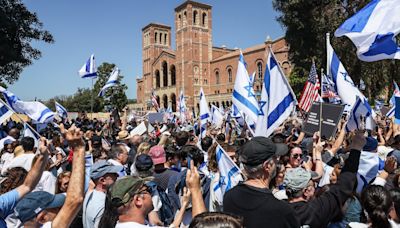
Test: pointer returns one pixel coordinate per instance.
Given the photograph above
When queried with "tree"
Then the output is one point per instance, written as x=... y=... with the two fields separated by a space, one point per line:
x=18 y=28
x=306 y=24
x=115 y=96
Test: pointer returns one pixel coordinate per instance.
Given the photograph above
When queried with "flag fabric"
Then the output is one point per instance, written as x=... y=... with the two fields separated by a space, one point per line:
x=252 y=77
x=154 y=100
x=29 y=133
x=5 y=113
x=362 y=85
x=369 y=166
x=277 y=99
x=61 y=111
x=392 y=100
x=328 y=90
x=235 y=113
x=230 y=174
x=397 y=109
x=243 y=93
x=358 y=115
x=35 y=110
x=391 y=111
x=310 y=91
x=204 y=114
x=182 y=106
x=216 y=116
x=112 y=81
x=373 y=30
x=378 y=105
x=88 y=69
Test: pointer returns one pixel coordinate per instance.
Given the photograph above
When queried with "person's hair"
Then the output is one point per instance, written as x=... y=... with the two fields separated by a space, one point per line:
x=56 y=141
x=396 y=180
x=377 y=201
x=278 y=138
x=181 y=138
x=221 y=137
x=170 y=152
x=59 y=180
x=216 y=220
x=193 y=152
x=206 y=143
x=143 y=148
x=14 y=178
x=28 y=143
x=395 y=194
x=96 y=153
x=212 y=158
x=110 y=214
x=116 y=150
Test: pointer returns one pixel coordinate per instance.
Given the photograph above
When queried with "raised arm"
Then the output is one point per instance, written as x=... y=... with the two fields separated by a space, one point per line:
x=193 y=184
x=35 y=173
x=75 y=191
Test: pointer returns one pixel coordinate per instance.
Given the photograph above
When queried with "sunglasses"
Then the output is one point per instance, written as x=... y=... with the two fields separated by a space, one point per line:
x=146 y=190
x=296 y=156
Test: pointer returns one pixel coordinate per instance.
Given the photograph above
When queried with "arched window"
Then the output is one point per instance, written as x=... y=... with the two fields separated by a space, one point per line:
x=158 y=100
x=173 y=101
x=165 y=73
x=259 y=70
x=179 y=21
x=160 y=38
x=157 y=74
x=165 y=101
x=229 y=75
x=184 y=19
x=173 y=75
x=217 y=104
x=165 y=39
x=204 y=20
x=155 y=37
x=195 y=17
x=223 y=104
x=217 y=77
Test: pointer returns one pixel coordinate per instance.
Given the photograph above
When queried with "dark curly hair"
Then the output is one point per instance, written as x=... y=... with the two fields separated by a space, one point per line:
x=15 y=177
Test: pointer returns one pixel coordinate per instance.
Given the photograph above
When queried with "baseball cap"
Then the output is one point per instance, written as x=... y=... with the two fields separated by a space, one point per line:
x=102 y=167
x=35 y=202
x=260 y=149
x=371 y=144
x=96 y=140
x=297 y=179
x=144 y=165
x=125 y=188
x=157 y=154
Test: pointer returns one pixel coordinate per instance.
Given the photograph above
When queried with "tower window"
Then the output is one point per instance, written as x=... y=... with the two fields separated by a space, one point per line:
x=204 y=20
x=217 y=77
x=230 y=75
x=195 y=17
x=259 y=70
x=155 y=37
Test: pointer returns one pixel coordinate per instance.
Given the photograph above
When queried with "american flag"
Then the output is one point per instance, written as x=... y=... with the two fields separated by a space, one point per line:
x=154 y=100
x=310 y=91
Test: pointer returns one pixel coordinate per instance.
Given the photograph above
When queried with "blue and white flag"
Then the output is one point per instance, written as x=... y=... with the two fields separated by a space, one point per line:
x=217 y=117
x=182 y=106
x=277 y=99
x=29 y=133
x=235 y=113
x=358 y=115
x=378 y=105
x=391 y=111
x=204 y=114
x=61 y=111
x=35 y=110
x=243 y=93
x=229 y=177
x=88 y=70
x=252 y=77
x=328 y=90
x=370 y=165
x=362 y=85
x=397 y=109
x=373 y=30
x=5 y=113
x=392 y=100
x=112 y=81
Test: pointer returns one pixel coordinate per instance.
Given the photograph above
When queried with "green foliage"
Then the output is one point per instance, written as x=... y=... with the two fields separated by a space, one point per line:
x=18 y=28
x=114 y=97
x=297 y=80
x=306 y=23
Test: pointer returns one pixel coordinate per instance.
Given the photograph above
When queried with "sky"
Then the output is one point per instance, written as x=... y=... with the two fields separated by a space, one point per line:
x=111 y=29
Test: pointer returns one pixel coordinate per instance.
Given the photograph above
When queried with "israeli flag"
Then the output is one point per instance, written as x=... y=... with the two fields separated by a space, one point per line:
x=217 y=117
x=391 y=111
x=204 y=114
x=373 y=30
x=378 y=105
x=35 y=110
x=277 y=99
x=88 y=70
x=235 y=113
x=112 y=81
x=5 y=113
x=230 y=174
x=243 y=93
x=397 y=109
x=369 y=166
x=251 y=78
x=62 y=112
x=392 y=100
x=29 y=133
x=358 y=115
x=182 y=106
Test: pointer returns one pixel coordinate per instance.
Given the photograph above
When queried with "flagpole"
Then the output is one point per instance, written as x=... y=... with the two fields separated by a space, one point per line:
x=12 y=110
x=91 y=101
x=327 y=57
x=320 y=103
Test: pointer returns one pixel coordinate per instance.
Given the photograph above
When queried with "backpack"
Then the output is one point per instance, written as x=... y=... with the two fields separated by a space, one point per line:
x=166 y=212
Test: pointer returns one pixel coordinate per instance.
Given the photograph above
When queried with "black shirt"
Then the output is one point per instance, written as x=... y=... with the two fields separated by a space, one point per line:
x=259 y=207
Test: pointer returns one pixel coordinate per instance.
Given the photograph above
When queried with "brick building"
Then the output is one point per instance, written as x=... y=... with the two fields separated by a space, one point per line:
x=196 y=62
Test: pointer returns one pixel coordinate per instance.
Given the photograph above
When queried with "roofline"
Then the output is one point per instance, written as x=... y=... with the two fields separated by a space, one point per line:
x=156 y=25
x=202 y=5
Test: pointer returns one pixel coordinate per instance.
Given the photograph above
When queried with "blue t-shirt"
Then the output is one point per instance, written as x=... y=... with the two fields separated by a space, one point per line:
x=7 y=203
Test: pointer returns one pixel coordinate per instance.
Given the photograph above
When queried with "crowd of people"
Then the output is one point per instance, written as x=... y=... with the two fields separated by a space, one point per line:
x=92 y=173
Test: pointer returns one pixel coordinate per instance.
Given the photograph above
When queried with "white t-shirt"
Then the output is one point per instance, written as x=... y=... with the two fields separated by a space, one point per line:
x=47 y=183
x=24 y=161
x=4 y=139
x=5 y=160
x=133 y=225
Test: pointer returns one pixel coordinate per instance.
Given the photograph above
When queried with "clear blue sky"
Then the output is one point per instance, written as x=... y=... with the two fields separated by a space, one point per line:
x=111 y=29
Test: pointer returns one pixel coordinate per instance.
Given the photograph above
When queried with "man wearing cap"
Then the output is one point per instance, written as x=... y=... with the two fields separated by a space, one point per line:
x=103 y=174
x=161 y=173
x=132 y=198
x=319 y=211
x=253 y=200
